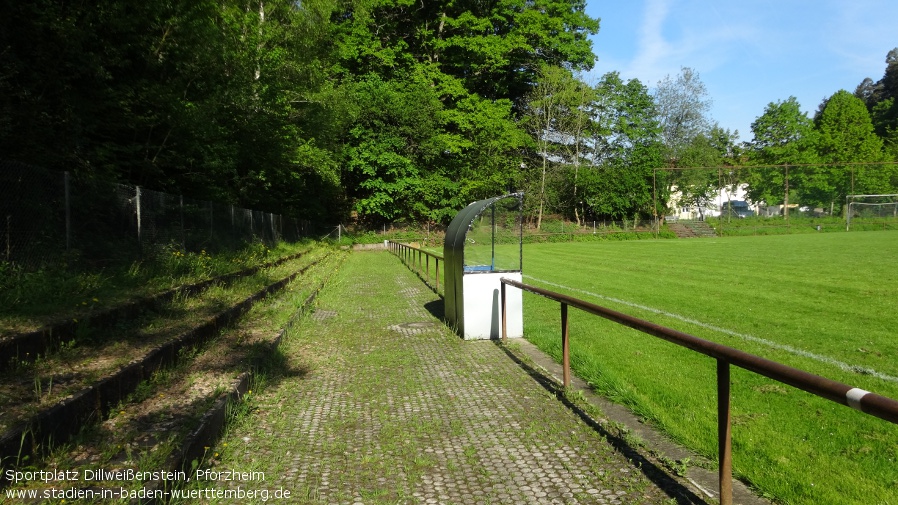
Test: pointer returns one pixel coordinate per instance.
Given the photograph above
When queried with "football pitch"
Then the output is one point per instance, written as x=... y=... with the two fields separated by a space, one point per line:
x=826 y=303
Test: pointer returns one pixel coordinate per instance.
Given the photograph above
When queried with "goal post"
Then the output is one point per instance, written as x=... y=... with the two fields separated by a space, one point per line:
x=871 y=207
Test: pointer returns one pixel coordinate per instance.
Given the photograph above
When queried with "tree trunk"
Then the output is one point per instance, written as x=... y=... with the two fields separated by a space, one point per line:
x=786 y=197
x=576 y=209
x=542 y=195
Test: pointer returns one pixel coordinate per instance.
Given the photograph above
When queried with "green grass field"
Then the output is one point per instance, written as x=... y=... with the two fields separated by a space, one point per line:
x=825 y=303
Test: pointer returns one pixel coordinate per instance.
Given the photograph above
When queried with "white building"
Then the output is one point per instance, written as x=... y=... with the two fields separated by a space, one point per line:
x=724 y=195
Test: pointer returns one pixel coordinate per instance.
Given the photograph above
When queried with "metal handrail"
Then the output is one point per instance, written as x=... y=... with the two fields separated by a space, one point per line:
x=856 y=398
x=418 y=260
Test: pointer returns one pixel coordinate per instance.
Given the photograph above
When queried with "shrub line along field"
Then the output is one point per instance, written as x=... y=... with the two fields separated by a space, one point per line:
x=744 y=336
x=824 y=303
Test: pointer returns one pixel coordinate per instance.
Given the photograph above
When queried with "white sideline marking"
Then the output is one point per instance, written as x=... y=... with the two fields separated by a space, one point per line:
x=750 y=338
x=853 y=396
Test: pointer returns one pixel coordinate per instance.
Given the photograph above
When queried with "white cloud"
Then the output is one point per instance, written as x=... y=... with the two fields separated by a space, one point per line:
x=653 y=50
x=697 y=35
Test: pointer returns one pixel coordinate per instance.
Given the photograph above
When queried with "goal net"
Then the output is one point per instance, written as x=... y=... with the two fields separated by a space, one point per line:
x=870 y=209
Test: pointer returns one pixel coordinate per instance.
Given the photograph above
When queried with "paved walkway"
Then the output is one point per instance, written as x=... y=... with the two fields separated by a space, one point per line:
x=381 y=403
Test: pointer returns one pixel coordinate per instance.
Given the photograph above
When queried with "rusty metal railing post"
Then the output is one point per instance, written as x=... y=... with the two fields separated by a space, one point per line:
x=870 y=403
x=565 y=346
x=504 y=328
x=724 y=440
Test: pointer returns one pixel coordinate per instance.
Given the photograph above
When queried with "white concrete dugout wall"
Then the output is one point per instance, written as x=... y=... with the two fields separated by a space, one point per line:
x=483 y=244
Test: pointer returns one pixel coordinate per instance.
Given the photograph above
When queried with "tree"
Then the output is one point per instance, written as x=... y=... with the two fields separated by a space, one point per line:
x=550 y=108
x=574 y=126
x=683 y=104
x=207 y=98
x=881 y=98
x=495 y=48
x=698 y=187
x=389 y=147
x=783 y=135
x=844 y=135
x=480 y=59
x=620 y=182
x=271 y=104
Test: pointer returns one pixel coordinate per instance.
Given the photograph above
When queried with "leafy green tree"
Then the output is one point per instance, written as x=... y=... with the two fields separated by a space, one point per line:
x=575 y=127
x=479 y=60
x=881 y=98
x=555 y=116
x=483 y=152
x=207 y=98
x=783 y=135
x=621 y=181
x=845 y=135
x=392 y=140
x=283 y=105
x=683 y=105
x=698 y=187
x=494 y=48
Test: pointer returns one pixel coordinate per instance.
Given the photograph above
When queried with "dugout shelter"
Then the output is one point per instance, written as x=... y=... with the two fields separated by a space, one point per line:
x=484 y=242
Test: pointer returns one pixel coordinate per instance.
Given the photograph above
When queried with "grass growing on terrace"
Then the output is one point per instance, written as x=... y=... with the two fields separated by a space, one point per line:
x=29 y=300
x=825 y=303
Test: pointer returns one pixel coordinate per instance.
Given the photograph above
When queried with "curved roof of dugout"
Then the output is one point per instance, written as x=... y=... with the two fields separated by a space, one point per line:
x=458 y=228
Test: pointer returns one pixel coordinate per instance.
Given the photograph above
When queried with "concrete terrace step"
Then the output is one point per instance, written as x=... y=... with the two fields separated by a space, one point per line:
x=691 y=229
x=388 y=405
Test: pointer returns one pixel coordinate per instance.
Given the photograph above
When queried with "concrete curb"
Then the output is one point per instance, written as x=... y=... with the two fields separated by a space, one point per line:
x=703 y=482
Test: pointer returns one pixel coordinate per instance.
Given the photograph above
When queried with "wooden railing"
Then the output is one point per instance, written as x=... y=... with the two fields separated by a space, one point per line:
x=418 y=260
x=856 y=398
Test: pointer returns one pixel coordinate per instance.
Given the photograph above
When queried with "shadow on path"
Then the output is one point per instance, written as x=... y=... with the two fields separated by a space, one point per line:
x=655 y=473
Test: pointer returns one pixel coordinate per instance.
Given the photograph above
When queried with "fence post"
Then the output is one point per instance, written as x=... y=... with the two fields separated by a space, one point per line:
x=211 y=224
x=565 y=346
x=137 y=205
x=183 y=231
x=68 y=216
x=438 y=274
x=724 y=442
x=8 y=233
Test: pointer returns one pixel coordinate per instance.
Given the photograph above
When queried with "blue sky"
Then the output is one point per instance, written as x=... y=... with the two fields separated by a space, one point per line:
x=747 y=52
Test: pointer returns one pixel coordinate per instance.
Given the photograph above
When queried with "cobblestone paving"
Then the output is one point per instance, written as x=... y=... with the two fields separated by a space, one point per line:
x=387 y=405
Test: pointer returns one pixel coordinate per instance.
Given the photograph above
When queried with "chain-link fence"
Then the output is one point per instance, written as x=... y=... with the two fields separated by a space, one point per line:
x=49 y=217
